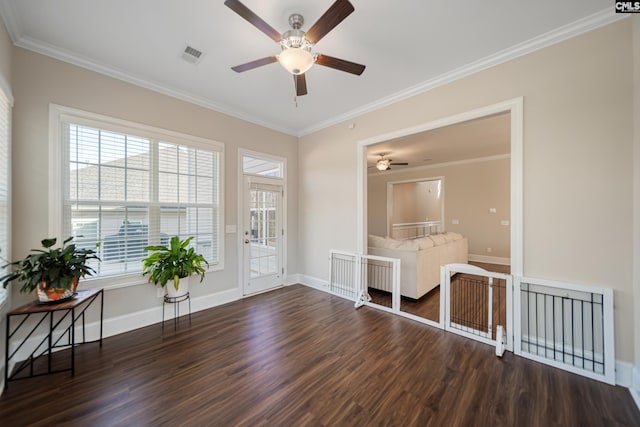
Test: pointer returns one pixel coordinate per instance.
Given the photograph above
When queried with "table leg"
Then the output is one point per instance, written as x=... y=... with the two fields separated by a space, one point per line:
x=73 y=341
x=6 y=354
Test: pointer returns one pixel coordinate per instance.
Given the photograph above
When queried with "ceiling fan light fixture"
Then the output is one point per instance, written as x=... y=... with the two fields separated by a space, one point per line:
x=296 y=60
x=383 y=164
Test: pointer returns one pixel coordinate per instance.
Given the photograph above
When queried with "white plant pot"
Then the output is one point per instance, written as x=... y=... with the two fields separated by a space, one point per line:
x=183 y=288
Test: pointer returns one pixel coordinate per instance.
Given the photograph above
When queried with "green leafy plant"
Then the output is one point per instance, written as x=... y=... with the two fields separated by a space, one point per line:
x=57 y=268
x=173 y=263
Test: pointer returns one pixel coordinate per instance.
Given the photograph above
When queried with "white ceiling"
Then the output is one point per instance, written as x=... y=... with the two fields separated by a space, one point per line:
x=408 y=46
x=484 y=137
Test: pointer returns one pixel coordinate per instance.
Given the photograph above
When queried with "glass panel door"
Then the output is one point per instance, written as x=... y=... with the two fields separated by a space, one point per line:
x=262 y=236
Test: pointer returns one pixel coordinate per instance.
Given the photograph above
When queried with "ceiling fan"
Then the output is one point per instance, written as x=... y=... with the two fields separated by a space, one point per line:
x=384 y=163
x=295 y=44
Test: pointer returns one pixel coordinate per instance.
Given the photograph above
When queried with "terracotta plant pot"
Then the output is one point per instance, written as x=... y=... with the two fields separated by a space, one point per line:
x=50 y=294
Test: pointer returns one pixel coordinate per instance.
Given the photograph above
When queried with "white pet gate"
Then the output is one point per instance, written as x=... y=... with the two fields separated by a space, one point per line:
x=567 y=326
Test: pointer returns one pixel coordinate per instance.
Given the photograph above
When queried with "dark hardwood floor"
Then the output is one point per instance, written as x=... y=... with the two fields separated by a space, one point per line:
x=301 y=357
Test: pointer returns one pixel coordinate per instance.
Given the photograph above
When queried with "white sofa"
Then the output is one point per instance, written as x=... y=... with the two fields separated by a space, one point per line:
x=420 y=259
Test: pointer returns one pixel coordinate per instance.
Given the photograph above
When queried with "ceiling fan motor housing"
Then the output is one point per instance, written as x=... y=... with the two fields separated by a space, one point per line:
x=296 y=21
x=295 y=38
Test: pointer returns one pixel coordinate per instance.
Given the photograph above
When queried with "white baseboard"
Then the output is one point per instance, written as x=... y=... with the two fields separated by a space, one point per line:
x=129 y=322
x=313 y=282
x=490 y=259
x=140 y=319
x=292 y=279
x=635 y=385
x=624 y=373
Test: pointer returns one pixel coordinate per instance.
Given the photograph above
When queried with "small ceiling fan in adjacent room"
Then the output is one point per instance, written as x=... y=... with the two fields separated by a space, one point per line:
x=295 y=55
x=385 y=163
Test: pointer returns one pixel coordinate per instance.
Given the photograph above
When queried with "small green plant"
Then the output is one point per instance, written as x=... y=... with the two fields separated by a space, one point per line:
x=56 y=268
x=173 y=263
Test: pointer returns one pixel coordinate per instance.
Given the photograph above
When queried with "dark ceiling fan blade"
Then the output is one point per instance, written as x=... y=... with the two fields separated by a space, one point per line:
x=331 y=18
x=399 y=164
x=300 y=81
x=253 y=19
x=340 y=64
x=254 y=64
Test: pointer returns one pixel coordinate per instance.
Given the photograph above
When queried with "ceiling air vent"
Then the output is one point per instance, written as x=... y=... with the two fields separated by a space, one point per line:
x=192 y=55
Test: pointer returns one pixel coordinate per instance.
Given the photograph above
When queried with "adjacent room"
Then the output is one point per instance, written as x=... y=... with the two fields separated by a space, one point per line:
x=337 y=212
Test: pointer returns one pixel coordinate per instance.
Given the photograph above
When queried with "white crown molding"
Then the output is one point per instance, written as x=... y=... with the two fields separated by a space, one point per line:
x=46 y=49
x=558 y=35
x=599 y=19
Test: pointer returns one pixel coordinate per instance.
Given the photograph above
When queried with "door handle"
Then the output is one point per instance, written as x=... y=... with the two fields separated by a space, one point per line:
x=246 y=241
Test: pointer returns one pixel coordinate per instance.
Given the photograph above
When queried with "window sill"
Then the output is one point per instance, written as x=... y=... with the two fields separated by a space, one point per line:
x=125 y=281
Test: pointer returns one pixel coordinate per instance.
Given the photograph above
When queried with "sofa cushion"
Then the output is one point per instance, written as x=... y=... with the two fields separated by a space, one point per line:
x=424 y=243
x=377 y=241
x=438 y=239
x=403 y=245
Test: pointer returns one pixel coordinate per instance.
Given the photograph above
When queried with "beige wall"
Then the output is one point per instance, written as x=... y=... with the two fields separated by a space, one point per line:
x=39 y=81
x=578 y=168
x=470 y=190
x=416 y=201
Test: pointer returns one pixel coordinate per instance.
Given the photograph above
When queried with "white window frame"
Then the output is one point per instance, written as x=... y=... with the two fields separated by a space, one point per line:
x=6 y=97
x=59 y=114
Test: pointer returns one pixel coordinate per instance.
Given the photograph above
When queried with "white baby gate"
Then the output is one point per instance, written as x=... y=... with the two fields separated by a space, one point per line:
x=352 y=274
x=567 y=326
x=478 y=305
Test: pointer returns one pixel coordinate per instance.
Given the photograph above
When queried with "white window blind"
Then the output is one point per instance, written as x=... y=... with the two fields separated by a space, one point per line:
x=129 y=191
x=5 y=168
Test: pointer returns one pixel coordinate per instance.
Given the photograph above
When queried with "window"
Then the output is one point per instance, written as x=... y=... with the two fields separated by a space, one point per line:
x=255 y=165
x=128 y=186
x=5 y=192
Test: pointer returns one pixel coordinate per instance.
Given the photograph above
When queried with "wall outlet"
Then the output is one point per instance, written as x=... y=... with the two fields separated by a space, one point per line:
x=455 y=221
x=504 y=222
x=489 y=250
x=493 y=210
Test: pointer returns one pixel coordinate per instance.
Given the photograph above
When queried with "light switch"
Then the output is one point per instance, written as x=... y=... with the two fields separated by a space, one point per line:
x=455 y=221
x=493 y=210
x=230 y=228
x=504 y=222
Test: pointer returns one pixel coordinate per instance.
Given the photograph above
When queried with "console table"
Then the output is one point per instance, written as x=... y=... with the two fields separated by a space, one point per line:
x=62 y=318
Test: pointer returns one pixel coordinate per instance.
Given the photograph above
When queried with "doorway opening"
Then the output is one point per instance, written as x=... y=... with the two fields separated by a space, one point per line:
x=262 y=220
x=461 y=230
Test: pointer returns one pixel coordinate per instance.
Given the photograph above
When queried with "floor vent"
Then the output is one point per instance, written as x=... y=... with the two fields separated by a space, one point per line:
x=192 y=55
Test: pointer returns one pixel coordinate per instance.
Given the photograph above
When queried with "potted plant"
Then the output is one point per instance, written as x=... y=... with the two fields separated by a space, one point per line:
x=170 y=264
x=52 y=273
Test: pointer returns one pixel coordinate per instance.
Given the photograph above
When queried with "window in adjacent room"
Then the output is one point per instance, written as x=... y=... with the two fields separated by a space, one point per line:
x=128 y=186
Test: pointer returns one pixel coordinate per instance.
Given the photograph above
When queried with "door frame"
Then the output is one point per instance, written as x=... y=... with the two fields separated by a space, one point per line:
x=240 y=196
x=515 y=107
